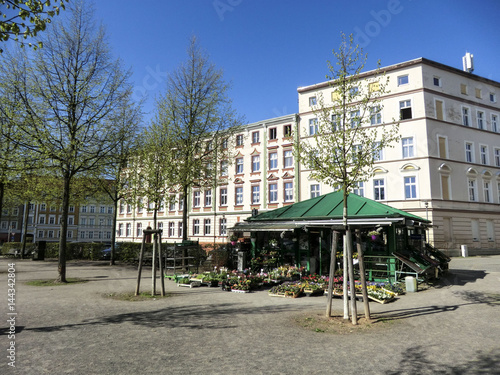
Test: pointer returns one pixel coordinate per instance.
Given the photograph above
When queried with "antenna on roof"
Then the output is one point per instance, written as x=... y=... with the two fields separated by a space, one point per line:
x=468 y=62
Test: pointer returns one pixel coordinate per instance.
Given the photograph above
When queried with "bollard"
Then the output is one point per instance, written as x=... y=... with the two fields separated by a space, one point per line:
x=465 y=252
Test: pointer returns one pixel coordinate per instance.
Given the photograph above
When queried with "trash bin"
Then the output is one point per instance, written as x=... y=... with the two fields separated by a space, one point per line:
x=39 y=253
x=465 y=251
x=411 y=284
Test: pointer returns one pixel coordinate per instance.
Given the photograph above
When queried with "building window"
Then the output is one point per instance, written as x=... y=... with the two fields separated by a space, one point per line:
x=313 y=126
x=208 y=198
x=273 y=193
x=494 y=123
x=439 y=109
x=463 y=88
x=181 y=203
x=180 y=230
x=373 y=87
x=224 y=144
x=50 y=234
x=223 y=226
x=92 y=209
x=196 y=227
x=110 y=210
x=41 y=220
x=472 y=190
x=354 y=91
x=465 y=116
x=171 y=205
x=288 y=155
x=356 y=152
x=129 y=208
x=239 y=195
x=255 y=194
x=355 y=120
x=255 y=163
x=480 y=120
x=84 y=208
x=128 y=231
x=41 y=234
x=487 y=191
x=478 y=93
x=442 y=147
x=207 y=227
x=335 y=123
x=196 y=199
x=378 y=153
x=315 y=191
x=122 y=207
x=273 y=133
x=379 y=189
x=359 y=189
x=312 y=100
x=273 y=160
x=410 y=187
x=405 y=110
x=239 y=140
x=255 y=137
x=72 y=208
x=239 y=165
x=493 y=97
x=69 y=234
x=102 y=210
x=288 y=191
x=403 y=80
x=497 y=157
x=375 y=115
x=139 y=230
x=160 y=225
x=484 y=154
x=52 y=219
x=223 y=196
x=223 y=167
x=287 y=131
x=407 y=144
x=437 y=81
x=71 y=220
x=469 y=152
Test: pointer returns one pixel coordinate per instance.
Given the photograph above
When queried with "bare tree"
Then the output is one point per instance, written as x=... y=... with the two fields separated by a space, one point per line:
x=70 y=90
x=196 y=116
x=349 y=127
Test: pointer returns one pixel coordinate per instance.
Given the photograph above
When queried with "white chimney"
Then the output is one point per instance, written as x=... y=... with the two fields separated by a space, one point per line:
x=468 y=62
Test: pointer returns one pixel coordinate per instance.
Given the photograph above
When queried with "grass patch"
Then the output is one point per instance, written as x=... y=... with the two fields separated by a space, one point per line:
x=319 y=323
x=131 y=297
x=51 y=282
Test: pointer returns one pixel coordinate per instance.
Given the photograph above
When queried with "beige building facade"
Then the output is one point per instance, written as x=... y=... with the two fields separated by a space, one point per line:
x=446 y=167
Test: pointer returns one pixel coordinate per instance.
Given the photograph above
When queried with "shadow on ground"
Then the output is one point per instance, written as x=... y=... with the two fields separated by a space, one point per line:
x=469 y=297
x=416 y=361
x=216 y=316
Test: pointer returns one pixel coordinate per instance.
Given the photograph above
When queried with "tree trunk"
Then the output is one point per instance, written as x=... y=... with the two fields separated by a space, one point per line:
x=113 y=231
x=361 y=261
x=61 y=267
x=25 y=228
x=185 y=214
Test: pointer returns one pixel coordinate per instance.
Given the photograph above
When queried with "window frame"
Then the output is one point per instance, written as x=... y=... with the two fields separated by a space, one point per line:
x=405 y=109
x=379 y=189
x=273 y=192
x=408 y=149
x=403 y=80
x=410 y=187
x=273 y=160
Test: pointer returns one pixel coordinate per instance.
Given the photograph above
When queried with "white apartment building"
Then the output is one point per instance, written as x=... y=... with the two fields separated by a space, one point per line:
x=446 y=168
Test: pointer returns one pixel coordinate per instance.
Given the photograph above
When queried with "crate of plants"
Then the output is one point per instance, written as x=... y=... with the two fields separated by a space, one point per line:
x=287 y=289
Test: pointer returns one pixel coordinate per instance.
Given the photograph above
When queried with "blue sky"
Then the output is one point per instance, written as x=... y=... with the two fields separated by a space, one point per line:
x=268 y=48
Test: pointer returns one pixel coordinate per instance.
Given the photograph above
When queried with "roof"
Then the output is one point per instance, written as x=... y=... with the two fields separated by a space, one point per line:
x=330 y=206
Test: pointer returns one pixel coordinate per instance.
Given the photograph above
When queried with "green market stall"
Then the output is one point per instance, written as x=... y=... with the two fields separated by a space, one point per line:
x=300 y=234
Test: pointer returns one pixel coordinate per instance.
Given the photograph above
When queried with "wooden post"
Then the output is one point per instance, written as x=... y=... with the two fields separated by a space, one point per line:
x=333 y=260
x=354 y=310
x=153 y=269
x=362 y=274
x=162 y=279
x=139 y=269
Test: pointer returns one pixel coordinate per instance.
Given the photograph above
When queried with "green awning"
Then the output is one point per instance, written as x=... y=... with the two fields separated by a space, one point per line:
x=330 y=207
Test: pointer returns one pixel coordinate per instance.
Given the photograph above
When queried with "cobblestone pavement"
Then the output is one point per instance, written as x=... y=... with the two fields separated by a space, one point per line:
x=76 y=329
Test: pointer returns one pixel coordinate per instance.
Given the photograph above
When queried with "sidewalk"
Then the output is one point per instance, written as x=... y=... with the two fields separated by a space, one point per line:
x=75 y=329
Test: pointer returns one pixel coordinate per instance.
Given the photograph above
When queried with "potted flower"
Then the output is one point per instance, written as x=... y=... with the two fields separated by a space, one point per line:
x=273 y=243
x=374 y=234
x=233 y=239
